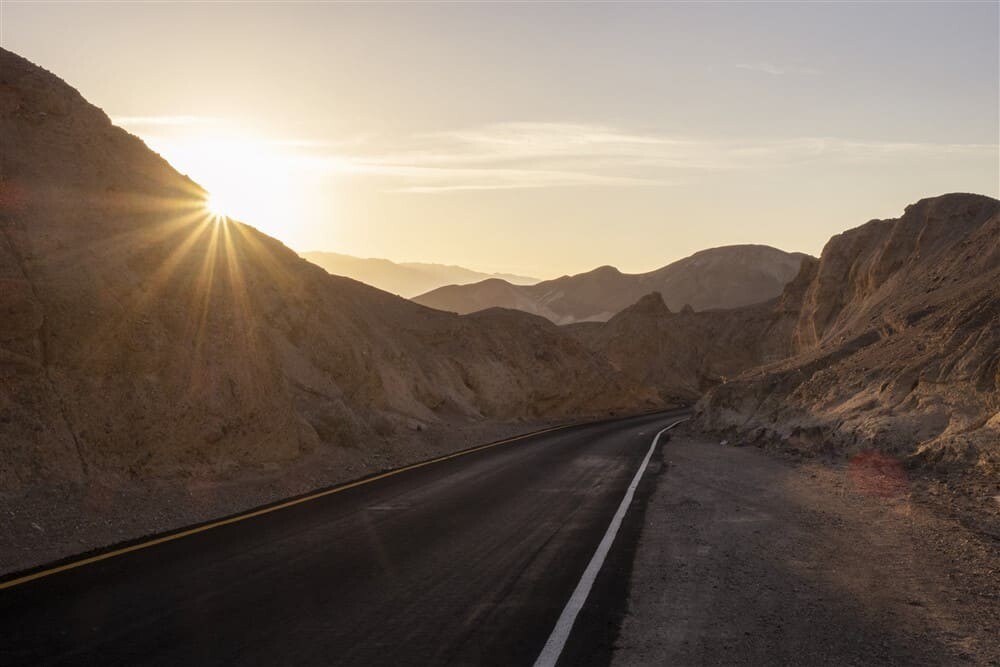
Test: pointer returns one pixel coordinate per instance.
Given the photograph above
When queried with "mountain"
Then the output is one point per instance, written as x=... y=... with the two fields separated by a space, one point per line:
x=142 y=334
x=404 y=278
x=144 y=340
x=897 y=344
x=725 y=277
x=890 y=341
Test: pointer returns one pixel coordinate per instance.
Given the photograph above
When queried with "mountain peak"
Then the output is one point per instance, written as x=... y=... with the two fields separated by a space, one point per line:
x=607 y=269
x=651 y=304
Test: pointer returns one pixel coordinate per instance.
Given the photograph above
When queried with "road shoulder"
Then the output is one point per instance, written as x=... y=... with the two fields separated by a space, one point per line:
x=745 y=558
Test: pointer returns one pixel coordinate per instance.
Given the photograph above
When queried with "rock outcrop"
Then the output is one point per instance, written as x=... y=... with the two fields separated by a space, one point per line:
x=726 y=277
x=897 y=345
x=684 y=354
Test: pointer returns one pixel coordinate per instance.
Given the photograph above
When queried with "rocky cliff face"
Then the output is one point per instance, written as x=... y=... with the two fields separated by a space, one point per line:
x=140 y=337
x=897 y=343
x=727 y=277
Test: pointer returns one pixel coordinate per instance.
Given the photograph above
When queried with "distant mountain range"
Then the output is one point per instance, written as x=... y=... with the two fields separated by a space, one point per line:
x=726 y=277
x=404 y=278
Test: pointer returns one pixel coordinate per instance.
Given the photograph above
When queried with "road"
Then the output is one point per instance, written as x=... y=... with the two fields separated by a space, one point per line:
x=470 y=560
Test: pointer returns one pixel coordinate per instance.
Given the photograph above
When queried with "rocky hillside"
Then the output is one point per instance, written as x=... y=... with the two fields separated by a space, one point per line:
x=897 y=342
x=142 y=338
x=404 y=278
x=726 y=277
x=683 y=354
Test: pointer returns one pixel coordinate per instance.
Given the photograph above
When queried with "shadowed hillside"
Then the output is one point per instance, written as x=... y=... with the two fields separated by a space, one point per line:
x=684 y=354
x=898 y=341
x=208 y=342
x=143 y=339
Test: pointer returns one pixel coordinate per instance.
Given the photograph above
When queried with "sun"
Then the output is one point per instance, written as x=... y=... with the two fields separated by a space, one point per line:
x=217 y=206
x=246 y=179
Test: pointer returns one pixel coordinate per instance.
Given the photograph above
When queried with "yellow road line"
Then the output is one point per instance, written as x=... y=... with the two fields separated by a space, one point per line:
x=266 y=510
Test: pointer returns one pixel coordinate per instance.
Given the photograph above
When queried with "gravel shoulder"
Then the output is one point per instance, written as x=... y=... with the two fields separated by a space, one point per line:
x=746 y=558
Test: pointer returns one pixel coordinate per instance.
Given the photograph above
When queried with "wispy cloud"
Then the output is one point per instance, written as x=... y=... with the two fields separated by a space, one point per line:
x=340 y=144
x=776 y=70
x=509 y=156
x=517 y=155
x=162 y=121
x=453 y=180
x=546 y=155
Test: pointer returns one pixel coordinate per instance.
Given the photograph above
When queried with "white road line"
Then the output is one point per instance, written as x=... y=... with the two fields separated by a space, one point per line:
x=557 y=640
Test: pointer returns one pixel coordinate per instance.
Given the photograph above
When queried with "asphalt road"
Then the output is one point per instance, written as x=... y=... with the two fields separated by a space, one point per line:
x=465 y=561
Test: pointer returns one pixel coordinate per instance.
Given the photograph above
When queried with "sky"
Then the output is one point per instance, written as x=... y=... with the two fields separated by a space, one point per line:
x=543 y=138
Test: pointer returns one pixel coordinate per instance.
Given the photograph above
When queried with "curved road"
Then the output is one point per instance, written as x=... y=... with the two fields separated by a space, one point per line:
x=469 y=560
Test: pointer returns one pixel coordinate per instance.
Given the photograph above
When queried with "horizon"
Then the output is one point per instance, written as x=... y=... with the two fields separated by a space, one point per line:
x=404 y=262
x=584 y=161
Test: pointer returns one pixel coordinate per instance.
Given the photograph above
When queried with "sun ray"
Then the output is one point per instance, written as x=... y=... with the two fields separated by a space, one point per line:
x=246 y=328
x=187 y=229
x=201 y=308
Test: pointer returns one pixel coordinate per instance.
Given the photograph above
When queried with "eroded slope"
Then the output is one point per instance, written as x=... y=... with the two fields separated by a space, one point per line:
x=142 y=338
x=898 y=341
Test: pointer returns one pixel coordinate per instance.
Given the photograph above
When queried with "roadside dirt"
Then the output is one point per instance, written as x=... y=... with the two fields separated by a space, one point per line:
x=747 y=559
x=49 y=524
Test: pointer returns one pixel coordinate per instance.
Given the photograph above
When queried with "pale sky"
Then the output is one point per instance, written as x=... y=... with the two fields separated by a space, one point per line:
x=543 y=139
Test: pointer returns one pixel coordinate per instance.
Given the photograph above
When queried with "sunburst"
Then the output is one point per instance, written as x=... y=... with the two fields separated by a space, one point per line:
x=217 y=207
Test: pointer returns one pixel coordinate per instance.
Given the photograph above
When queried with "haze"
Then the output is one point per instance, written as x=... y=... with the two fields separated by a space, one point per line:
x=534 y=139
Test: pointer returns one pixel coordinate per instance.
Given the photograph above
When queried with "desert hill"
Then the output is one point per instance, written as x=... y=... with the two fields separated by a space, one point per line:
x=725 y=277
x=143 y=339
x=406 y=279
x=683 y=354
x=897 y=345
x=891 y=341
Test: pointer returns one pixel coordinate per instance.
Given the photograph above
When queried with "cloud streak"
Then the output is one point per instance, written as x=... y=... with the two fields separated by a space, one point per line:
x=776 y=70
x=510 y=156
x=545 y=155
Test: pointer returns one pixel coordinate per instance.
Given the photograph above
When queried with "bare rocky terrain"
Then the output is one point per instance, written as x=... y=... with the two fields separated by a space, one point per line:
x=407 y=279
x=725 y=277
x=888 y=343
x=897 y=351
x=143 y=340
